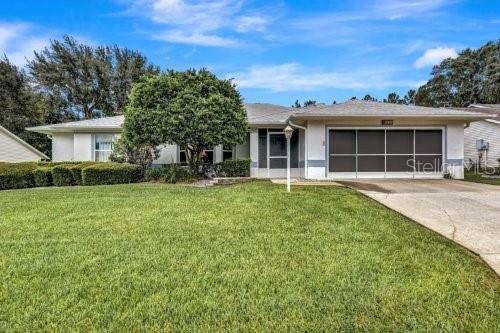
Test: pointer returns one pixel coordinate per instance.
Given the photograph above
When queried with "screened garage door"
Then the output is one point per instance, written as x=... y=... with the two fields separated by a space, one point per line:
x=385 y=152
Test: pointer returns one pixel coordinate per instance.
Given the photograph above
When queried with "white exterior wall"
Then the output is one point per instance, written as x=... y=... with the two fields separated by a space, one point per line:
x=254 y=152
x=485 y=130
x=82 y=147
x=316 y=150
x=454 y=154
x=62 y=147
x=12 y=150
x=243 y=150
x=168 y=155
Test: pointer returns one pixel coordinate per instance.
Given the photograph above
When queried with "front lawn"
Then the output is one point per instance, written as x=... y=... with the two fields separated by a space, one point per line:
x=248 y=257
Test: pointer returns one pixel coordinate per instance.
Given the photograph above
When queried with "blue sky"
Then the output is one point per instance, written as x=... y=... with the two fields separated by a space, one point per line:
x=275 y=51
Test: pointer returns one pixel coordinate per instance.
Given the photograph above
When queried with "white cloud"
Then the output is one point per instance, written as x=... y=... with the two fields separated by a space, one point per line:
x=251 y=23
x=200 y=22
x=195 y=38
x=396 y=9
x=434 y=56
x=19 y=40
x=294 y=77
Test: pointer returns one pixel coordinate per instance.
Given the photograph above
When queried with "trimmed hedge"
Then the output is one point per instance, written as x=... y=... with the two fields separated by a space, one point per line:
x=76 y=171
x=42 y=176
x=233 y=168
x=62 y=176
x=16 y=175
x=111 y=173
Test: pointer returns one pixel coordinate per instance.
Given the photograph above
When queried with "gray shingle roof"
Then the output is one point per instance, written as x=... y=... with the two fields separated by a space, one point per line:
x=356 y=108
x=269 y=114
x=491 y=109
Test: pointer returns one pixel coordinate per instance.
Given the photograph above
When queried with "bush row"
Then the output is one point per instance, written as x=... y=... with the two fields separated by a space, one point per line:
x=174 y=173
x=171 y=173
x=31 y=174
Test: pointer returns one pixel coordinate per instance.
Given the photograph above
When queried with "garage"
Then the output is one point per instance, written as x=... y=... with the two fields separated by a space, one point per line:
x=385 y=152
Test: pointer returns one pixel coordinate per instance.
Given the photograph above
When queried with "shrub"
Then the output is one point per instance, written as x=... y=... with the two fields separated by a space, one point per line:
x=154 y=174
x=16 y=175
x=172 y=173
x=76 y=171
x=62 y=176
x=233 y=168
x=111 y=173
x=42 y=176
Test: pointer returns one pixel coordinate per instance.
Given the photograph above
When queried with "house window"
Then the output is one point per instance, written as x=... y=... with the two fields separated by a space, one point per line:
x=227 y=153
x=208 y=156
x=103 y=147
x=182 y=157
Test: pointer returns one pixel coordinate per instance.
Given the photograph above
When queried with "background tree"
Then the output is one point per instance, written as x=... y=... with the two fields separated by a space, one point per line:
x=296 y=104
x=87 y=81
x=193 y=109
x=21 y=107
x=368 y=97
x=409 y=98
x=309 y=103
x=473 y=77
x=393 y=98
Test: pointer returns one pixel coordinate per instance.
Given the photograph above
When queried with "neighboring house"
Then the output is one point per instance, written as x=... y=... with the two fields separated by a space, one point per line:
x=487 y=130
x=15 y=149
x=355 y=139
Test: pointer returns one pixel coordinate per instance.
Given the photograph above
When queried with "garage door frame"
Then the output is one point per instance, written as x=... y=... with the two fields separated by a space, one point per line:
x=385 y=174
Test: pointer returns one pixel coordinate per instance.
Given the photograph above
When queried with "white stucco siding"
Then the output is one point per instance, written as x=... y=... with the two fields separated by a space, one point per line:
x=62 y=147
x=485 y=130
x=243 y=150
x=316 y=150
x=82 y=147
x=455 y=150
x=168 y=155
x=12 y=150
x=254 y=152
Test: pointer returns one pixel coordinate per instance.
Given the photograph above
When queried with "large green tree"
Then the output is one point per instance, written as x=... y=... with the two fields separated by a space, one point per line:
x=88 y=81
x=473 y=77
x=193 y=109
x=21 y=107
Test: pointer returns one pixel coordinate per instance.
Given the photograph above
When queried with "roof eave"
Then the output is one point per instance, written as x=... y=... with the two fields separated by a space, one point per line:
x=50 y=130
x=393 y=116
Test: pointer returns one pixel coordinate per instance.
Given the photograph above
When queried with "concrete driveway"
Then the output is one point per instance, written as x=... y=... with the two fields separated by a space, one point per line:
x=467 y=213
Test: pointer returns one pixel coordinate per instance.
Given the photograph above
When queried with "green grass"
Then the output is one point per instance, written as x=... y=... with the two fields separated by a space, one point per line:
x=476 y=178
x=245 y=258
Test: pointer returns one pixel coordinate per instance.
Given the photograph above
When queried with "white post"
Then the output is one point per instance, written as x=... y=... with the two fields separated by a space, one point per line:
x=288 y=135
x=288 y=164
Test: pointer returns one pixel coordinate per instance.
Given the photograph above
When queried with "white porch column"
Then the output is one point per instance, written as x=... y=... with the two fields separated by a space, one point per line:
x=254 y=152
x=454 y=157
x=316 y=150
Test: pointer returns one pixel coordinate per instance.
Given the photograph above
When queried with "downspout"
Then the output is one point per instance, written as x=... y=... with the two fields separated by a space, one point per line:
x=305 y=146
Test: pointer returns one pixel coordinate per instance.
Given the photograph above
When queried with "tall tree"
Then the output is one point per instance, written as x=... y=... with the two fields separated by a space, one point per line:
x=409 y=98
x=473 y=77
x=193 y=109
x=20 y=107
x=90 y=82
